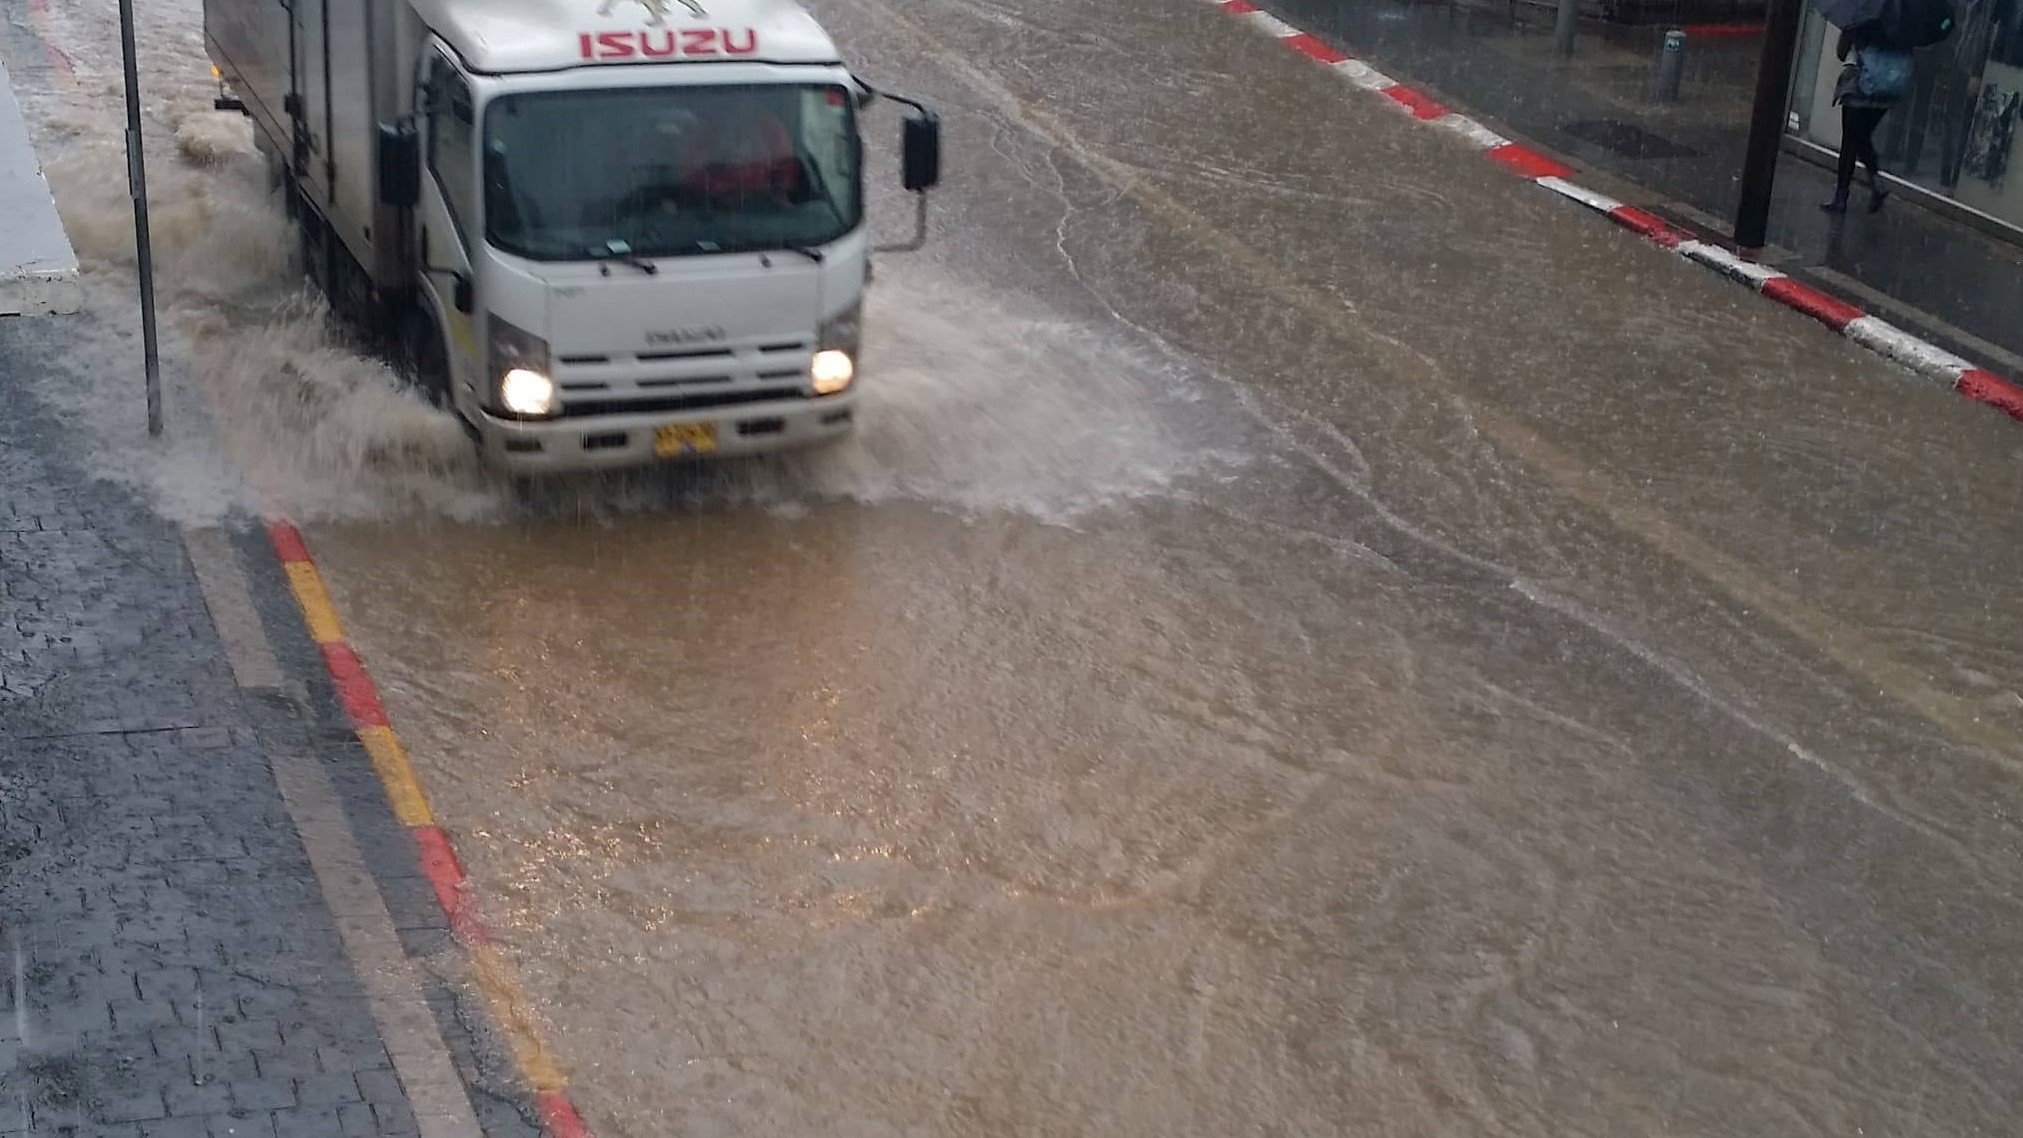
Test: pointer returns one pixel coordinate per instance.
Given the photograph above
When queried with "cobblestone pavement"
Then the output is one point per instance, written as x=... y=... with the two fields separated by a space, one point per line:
x=168 y=965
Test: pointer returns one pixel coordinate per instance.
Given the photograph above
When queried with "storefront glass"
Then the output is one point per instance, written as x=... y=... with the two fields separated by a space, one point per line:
x=1954 y=136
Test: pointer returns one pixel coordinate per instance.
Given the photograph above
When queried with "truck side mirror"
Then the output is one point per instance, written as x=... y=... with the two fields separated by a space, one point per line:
x=920 y=151
x=399 y=163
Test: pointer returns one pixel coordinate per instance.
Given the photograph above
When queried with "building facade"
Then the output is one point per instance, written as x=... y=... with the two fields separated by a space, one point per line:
x=1955 y=136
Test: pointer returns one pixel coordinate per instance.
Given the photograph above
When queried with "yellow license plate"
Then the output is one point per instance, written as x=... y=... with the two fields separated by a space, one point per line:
x=681 y=440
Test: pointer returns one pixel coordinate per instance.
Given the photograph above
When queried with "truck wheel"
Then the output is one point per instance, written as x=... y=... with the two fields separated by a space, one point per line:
x=315 y=252
x=426 y=366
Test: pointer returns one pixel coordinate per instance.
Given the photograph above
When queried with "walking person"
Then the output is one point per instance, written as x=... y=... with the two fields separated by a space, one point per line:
x=1876 y=79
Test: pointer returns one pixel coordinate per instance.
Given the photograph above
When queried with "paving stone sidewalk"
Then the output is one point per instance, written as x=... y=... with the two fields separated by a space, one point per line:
x=168 y=966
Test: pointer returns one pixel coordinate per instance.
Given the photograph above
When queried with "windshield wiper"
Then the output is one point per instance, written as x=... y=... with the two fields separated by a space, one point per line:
x=621 y=252
x=815 y=255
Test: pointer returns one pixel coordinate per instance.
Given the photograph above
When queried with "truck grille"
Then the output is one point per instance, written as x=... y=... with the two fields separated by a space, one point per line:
x=682 y=379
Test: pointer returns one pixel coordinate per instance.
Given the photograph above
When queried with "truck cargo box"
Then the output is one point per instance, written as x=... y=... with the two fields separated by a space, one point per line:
x=317 y=76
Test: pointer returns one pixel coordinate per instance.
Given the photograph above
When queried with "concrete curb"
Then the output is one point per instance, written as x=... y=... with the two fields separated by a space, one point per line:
x=38 y=268
x=494 y=976
x=1919 y=356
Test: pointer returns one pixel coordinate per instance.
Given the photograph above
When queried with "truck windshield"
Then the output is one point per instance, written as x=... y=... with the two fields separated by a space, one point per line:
x=670 y=171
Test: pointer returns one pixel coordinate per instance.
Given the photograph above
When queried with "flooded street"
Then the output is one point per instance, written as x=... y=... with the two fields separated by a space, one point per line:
x=1310 y=638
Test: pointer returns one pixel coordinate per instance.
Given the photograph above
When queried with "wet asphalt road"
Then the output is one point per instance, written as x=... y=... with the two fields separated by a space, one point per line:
x=1315 y=637
x=1529 y=687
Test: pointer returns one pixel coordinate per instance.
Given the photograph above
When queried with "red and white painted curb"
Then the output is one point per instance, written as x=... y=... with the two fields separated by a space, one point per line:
x=1877 y=335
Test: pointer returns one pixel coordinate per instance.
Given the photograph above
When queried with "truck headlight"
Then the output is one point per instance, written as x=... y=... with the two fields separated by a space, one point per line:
x=831 y=371
x=523 y=391
x=519 y=368
x=834 y=366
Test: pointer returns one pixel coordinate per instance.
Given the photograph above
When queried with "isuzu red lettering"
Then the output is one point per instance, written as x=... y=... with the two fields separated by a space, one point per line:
x=601 y=232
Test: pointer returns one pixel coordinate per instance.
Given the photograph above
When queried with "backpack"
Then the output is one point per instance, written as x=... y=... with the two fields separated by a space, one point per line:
x=1883 y=73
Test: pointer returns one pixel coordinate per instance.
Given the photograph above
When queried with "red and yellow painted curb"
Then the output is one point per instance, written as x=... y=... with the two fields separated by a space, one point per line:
x=494 y=975
x=38 y=17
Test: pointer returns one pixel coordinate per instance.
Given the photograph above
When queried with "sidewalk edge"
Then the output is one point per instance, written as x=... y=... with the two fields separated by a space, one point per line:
x=495 y=977
x=39 y=273
x=1915 y=354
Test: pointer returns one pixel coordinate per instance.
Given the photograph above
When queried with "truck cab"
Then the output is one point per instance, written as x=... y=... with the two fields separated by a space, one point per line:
x=612 y=233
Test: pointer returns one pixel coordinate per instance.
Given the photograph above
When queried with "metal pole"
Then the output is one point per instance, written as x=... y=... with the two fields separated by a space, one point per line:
x=1766 y=121
x=1671 y=66
x=137 y=185
x=1563 y=26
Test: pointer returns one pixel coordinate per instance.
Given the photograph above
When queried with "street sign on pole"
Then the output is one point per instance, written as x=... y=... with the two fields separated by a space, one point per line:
x=1766 y=121
x=137 y=185
x=1671 y=67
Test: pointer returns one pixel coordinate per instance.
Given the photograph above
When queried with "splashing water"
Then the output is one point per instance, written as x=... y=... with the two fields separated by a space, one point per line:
x=1021 y=412
x=262 y=393
x=214 y=139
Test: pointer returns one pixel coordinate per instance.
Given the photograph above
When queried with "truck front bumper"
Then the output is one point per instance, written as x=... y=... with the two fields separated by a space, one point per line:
x=609 y=442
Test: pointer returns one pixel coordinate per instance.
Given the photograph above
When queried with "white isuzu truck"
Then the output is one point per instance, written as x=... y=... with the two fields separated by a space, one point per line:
x=602 y=232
